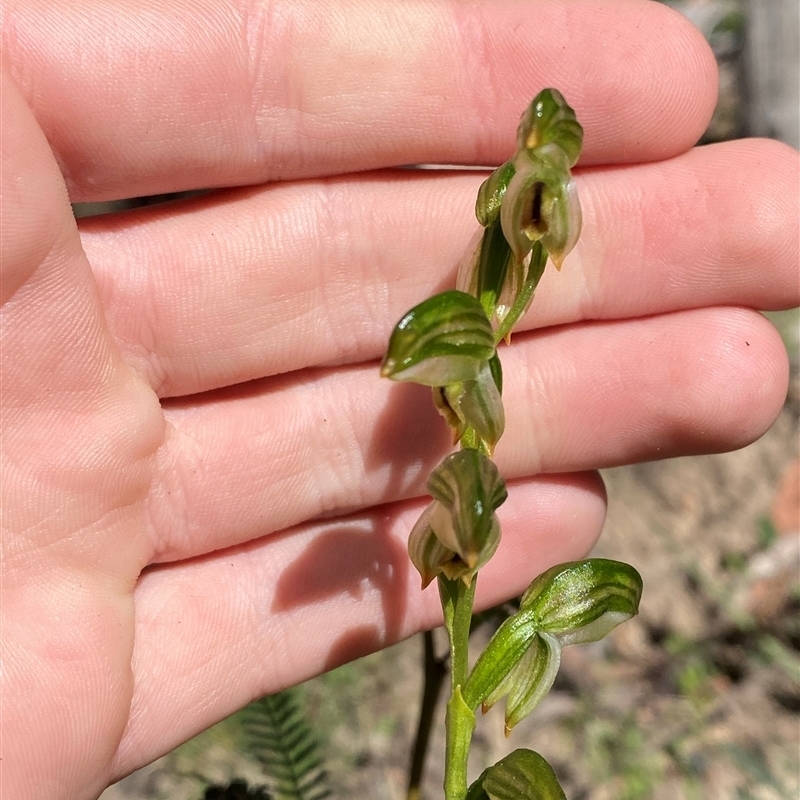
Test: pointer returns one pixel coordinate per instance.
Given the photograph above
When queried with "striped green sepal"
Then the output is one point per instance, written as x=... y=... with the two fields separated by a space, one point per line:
x=445 y=339
x=581 y=601
x=426 y=552
x=528 y=683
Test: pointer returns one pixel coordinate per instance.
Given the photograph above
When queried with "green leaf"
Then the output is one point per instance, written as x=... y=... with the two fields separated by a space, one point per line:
x=550 y=120
x=468 y=489
x=445 y=339
x=581 y=601
x=521 y=775
x=490 y=195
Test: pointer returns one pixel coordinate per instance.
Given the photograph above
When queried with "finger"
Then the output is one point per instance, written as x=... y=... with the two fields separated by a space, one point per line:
x=246 y=462
x=265 y=281
x=285 y=608
x=142 y=98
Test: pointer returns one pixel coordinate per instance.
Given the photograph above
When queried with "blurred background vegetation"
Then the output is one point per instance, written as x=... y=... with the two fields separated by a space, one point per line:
x=699 y=697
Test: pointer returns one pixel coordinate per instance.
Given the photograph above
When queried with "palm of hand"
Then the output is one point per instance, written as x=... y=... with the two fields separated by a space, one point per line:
x=81 y=433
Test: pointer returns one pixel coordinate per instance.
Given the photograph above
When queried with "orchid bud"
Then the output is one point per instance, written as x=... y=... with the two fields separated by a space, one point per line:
x=459 y=532
x=432 y=559
x=541 y=204
x=550 y=120
x=445 y=339
x=468 y=489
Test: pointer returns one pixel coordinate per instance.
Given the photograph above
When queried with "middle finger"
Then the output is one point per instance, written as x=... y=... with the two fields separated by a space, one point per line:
x=257 y=282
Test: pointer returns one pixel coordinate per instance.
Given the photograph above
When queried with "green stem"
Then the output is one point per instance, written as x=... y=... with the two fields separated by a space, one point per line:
x=535 y=271
x=435 y=671
x=459 y=724
x=457 y=601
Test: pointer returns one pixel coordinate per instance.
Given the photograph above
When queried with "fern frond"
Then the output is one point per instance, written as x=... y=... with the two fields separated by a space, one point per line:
x=279 y=738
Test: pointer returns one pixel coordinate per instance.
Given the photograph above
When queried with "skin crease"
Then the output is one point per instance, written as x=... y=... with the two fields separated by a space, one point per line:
x=206 y=489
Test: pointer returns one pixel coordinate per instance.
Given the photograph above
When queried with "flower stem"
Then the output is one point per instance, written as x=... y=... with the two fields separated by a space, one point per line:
x=457 y=600
x=535 y=271
x=459 y=724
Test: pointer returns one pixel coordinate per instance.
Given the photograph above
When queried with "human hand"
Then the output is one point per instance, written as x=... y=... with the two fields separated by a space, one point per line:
x=206 y=489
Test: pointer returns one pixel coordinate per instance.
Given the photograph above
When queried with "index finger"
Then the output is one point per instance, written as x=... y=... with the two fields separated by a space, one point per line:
x=141 y=97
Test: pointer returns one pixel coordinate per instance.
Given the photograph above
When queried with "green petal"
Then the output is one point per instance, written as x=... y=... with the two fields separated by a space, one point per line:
x=532 y=678
x=562 y=210
x=506 y=648
x=455 y=422
x=445 y=339
x=520 y=663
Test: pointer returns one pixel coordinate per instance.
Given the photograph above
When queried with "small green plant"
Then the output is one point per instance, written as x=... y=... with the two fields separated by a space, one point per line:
x=280 y=739
x=528 y=210
x=274 y=733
